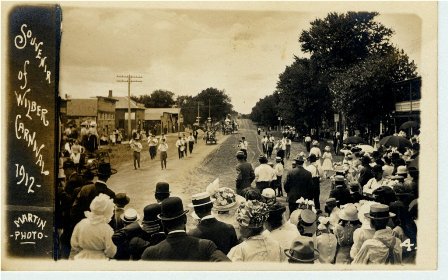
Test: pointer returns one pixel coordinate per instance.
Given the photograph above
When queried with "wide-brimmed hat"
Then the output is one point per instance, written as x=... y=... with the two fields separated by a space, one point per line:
x=172 y=208
x=240 y=155
x=299 y=159
x=327 y=148
x=302 y=250
x=121 y=199
x=225 y=199
x=162 y=187
x=276 y=212
x=104 y=168
x=130 y=215
x=151 y=212
x=349 y=213
x=252 y=214
x=307 y=219
x=402 y=170
x=379 y=212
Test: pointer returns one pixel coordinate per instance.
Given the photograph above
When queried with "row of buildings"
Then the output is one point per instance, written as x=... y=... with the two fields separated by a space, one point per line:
x=111 y=113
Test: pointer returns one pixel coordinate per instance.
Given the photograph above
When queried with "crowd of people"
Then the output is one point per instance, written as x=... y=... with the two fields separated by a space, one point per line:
x=369 y=217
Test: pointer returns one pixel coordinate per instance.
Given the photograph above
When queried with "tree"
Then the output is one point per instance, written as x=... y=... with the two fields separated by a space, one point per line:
x=220 y=104
x=158 y=99
x=265 y=112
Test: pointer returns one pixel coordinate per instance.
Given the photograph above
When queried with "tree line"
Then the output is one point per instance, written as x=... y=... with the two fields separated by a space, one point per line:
x=351 y=70
x=210 y=102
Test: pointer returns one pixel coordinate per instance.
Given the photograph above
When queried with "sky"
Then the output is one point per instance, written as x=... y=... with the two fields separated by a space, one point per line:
x=185 y=48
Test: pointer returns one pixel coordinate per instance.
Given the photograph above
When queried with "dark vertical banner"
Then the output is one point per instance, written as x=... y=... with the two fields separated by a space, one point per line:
x=34 y=34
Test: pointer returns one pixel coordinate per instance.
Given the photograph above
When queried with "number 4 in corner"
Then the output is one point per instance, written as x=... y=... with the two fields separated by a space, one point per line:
x=407 y=243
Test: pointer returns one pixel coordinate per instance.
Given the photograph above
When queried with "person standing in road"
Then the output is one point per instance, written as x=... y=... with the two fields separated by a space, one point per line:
x=191 y=142
x=245 y=173
x=298 y=184
x=137 y=147
x=288 y=147
x=180 y=147
x=163 y=148
x=278 y=167
x=152 y=143
x=264 y=144
x=270 y=146
x=184 y=140
x=264 y=174
x=243 y=146
x=308 y=143
x=313 y=168
x=195 y=135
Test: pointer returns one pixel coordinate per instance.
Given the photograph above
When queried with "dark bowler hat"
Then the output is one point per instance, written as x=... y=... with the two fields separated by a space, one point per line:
x=312 y=158
x=105 y=169
x=172 y=208
x=151 y=212
x=331 y=201
x=121 y=199
x=68 y=164
x=300 y=159
x=377 y=169
x=302 y=250
x=240 y=154
x=379 y=212
x=162 y=187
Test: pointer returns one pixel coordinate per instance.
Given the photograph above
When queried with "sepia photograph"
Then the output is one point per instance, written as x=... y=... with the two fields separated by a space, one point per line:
x=276 y=136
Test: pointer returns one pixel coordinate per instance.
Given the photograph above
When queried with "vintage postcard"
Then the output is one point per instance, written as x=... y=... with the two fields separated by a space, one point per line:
x=278 y=136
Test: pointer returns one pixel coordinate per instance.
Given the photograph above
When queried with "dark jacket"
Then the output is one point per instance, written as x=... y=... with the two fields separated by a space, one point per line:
x=222 y=234
x=85 y=197
x=342 y=195
x=365 y=174
x=298 y=184
x=245 y=175
x=132 y=240
x=181 y=247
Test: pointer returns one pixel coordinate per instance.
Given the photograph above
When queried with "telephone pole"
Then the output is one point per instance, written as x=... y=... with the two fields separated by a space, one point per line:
x=129 y=79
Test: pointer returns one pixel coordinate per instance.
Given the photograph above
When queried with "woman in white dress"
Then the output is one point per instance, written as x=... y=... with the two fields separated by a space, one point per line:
x=327 y=164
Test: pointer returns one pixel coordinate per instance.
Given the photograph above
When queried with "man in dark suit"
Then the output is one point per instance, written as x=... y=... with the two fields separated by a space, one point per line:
x=89 y=192
x=298 y=184
x=222 y=234
x=178 y=246
x=245 y=173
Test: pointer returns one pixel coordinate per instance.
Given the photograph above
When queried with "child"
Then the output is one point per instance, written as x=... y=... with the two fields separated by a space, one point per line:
x=327 y=164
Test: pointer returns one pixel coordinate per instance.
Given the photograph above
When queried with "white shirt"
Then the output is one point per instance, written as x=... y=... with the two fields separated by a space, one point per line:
x=163 y=147
x=313 y=170
x=179 y=143
x=316 y=151
x=152 y=141
x=372 y=185
x=278 y=169
x=307 y=139
x=264 y=173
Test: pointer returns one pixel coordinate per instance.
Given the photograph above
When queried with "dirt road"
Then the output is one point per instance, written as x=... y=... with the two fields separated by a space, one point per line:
x=192 y=174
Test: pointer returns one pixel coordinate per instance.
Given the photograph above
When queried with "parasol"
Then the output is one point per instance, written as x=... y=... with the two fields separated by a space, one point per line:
x=395 y=141
x=409 y=124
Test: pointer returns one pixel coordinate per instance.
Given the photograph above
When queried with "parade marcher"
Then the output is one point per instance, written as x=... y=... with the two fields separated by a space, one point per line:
x=264 y=174
x=327 y=164
x=316 y=151
x=298 y=184
x=257 y=246
x=222 y=234
x=190 y=143
x=308 y=142
x=162 y=191
x=384 y=247
x=278 y=167
x=152 y=143
x=92 y=236
x=178 y=246
x=195 y=135
x=163 y=148
x=120 y=201
x=326 y=241
x=136 y=147
x=302 y=251
x=245 y=173
x=185 y=141
x=313 y=168
x=180 y=144
x=89 y=192
x=343 y=231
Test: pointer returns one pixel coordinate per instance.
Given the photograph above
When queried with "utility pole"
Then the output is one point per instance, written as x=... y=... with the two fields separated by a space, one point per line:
x=130 y=79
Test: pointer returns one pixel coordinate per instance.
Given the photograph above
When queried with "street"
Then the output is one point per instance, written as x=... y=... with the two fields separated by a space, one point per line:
x=192 y=174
